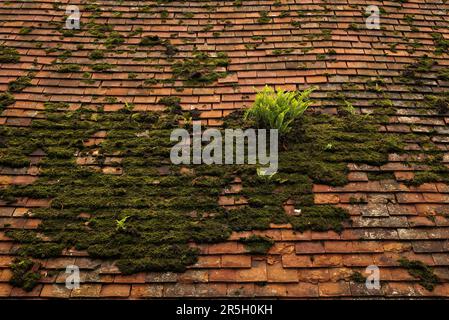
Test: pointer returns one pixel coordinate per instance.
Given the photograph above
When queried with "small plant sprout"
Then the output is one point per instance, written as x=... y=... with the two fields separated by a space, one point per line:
x=263 y=172
x=120 y=224
x=128 y=106
x=278 y=109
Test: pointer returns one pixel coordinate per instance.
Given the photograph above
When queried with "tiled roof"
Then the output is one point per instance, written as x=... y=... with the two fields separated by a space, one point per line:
x=303 y=43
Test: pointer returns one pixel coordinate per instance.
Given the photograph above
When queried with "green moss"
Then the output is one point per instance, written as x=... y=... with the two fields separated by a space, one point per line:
x=25 y=30
x=419 y=270
x=357 y=277
x=20 y=83
x=188 y=15
x=201 y=69
x=377 y=176
x=439 y=103
x=102 y=67
x=42 y=250
x=96 y=55
x=263 y=17
x=257 y=244
x=296 y=24
x=320 y=218
x=413 y=72
x=6 y=99
x=164 y=209
x=441 y=44
x=150 y=41
x=8 y=55
x=384 y=104
x=164 y=14
x=92 y=7
x=98 y=30
x=64 y=55
x=114 y=39
x=436 y=174
x=278 y=52
x=12 y=160
x=67 y=68
x=172 y=103
x=354 y=200
x=136 y=32
x=353 y=26
x=443 y=74
x=23 y=274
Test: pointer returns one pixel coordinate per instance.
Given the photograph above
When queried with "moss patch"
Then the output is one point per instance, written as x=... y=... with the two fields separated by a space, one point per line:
x=150 y=41
x=20 y=83
x=24 y=274
x=419 y=270
x=201 y=68
x=172 y=103
x=6 y=99
x=146 y=217
x=357 y=277
x=96 y=55
x=8 y=55
x=257 y=244
x=102 y=67
x=263 y=17
x=68 y=68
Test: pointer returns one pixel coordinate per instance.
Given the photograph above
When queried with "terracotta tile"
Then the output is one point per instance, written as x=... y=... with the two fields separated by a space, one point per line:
x=115 y=290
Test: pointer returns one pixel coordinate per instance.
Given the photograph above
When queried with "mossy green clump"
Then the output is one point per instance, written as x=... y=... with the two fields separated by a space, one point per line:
x=201 y=69
x=20 y=83
x=439 y=103
x=158 y=225
x=263 y=17
x=443 y=74
x=102 y=67
x=8 y=55
x=25 y=30
x=146 y=217
x=150 y=41
x=24 y=274
x=320 y=218
x=354 y=26
x=357 y=277
x=413 y=71
x=416 y=73
x=257 y=244
x=172 y=103
x=436 y=173
x=381 y=175
x=14 y=160
x=6 y=99
x=93 y=7
x=422 y=272
x=98 y=30
x=96 y=55
x=102 y=31
x=68 y=68
x=441 y=44
x=113 y=40
x=164 y=14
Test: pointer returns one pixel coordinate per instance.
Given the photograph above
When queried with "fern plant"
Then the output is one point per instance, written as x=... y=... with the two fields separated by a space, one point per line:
x=278 y=109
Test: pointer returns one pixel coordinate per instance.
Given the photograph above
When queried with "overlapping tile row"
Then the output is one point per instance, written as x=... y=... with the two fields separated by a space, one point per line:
x=305 y=43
